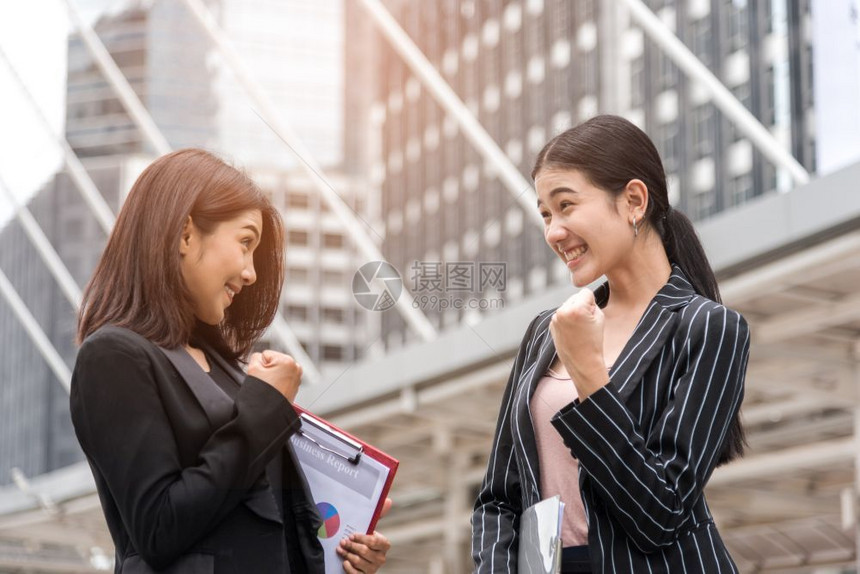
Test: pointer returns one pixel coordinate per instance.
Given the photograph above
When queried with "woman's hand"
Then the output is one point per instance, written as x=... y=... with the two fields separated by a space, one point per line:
x=577 y=330
x=365 y=553
x=278 y=370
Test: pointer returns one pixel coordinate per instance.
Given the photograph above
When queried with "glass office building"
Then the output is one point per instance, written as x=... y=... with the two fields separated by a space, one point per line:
x=528 y=69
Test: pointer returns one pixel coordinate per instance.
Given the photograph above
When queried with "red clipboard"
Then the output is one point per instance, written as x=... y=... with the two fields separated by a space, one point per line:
x=367 y=450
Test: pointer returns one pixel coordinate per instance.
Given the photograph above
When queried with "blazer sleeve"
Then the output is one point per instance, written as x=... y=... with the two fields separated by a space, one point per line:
x=496 y=514
x=650 y=483
x=125 y=433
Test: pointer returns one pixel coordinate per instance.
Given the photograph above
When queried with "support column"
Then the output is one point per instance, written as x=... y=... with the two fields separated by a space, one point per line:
x=436 y=566
x=852 y=508
x=456 y=539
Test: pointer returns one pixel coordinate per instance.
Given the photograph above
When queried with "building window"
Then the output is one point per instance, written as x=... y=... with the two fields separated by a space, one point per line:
x=332 y=277
x=770 y=97
x=332 y=240
x=588 y=69
x=668 y=146
x=297 y=274
x=767 y=10
x=741 y=189
x=637 y=82
x=810 y=93
x=811 y=159
x=297 y=312
x=332 y=353
x=668 y=71
x=561 y=19
x=298 y=200
x=585 y=11
x=703 y=130
x=702 y=40
x=770 y=181
x=333 y=315
x=702 y=205
x=296 y=237
x=742 y=93
x=738 y=28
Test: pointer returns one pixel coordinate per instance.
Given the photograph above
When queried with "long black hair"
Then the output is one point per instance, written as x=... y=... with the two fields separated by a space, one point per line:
x=611 y=151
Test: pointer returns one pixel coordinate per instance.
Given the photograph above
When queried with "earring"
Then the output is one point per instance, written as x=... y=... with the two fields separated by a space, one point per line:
x=635 y=228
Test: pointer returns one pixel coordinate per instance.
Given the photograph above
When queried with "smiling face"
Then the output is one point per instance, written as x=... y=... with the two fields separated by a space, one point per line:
x=585 y=226
x=217 y=265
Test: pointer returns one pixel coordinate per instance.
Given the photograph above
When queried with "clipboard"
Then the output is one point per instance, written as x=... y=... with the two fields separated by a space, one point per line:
x=347 y=452
x=540 y=537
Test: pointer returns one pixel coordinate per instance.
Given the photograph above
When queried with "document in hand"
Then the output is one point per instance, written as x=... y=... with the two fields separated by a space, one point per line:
x=540 y=537
x=349 y=481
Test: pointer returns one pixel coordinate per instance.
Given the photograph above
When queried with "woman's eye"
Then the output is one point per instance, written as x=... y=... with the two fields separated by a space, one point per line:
x=544 y=214
x=565 y=204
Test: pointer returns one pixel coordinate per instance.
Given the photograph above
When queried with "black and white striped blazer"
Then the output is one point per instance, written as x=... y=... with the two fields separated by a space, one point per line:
x=647 y=442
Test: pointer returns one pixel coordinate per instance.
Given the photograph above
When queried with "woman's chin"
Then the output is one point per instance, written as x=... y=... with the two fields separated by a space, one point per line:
x=576 y=282
x=581 y=278
x=212 y=319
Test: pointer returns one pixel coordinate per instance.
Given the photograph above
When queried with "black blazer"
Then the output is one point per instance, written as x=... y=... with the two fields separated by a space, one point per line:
x=180 y=467
x=646 y=443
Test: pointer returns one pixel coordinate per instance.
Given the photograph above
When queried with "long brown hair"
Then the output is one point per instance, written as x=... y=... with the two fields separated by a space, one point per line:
x=138 y=282
x=610 y=151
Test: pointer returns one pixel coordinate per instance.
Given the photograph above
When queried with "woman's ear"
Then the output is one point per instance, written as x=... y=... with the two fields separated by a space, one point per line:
x=636 y=198
x=186 y=238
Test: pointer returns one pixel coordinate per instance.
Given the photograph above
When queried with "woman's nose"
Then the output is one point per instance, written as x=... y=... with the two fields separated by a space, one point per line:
x=249 y=275
x=555 y=233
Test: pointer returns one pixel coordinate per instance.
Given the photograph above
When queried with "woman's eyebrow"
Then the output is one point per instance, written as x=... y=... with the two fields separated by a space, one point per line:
x=556 y=191
x=253 y=228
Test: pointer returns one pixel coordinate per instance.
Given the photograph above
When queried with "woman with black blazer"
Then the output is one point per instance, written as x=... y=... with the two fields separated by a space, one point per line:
x=623 y=400
x=190 y=455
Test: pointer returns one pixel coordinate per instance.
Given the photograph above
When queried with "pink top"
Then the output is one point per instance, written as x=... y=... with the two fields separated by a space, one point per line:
x=559 y=471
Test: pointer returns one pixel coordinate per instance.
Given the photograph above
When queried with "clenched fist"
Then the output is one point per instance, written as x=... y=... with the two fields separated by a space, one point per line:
x=577 y=330
x=277 y=369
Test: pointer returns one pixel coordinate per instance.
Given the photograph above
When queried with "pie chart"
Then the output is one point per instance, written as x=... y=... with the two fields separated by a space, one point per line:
x=331 y=520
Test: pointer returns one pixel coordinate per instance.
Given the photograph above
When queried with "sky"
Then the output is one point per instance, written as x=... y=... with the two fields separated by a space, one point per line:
x=33 y=38
x=33 y=35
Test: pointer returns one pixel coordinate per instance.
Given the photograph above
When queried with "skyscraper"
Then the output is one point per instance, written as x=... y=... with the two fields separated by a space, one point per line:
x=293 y=49
x=528 y=69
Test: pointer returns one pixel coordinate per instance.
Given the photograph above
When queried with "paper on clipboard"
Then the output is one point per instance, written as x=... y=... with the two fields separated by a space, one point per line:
x=348 y=479
x=540 y=537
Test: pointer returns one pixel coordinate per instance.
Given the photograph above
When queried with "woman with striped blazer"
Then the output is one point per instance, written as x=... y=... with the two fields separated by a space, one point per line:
x=623 y=400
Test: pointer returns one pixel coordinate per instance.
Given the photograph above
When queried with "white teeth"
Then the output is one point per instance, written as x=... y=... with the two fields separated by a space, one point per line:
x=568 y=255
x=230 y=292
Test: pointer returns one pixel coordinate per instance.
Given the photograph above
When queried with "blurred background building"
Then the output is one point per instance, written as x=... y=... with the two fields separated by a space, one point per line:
x=787 y=255
x=195 y=101
x=528 y=70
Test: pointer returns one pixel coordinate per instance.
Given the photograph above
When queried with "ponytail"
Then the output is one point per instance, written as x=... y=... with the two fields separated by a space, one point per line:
x=611 y=151
x=684 y=248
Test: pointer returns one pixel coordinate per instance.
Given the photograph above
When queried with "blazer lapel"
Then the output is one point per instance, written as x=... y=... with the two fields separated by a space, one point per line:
x=231 y=370
x=544 y=359
x=651 y=334
x=524 y=420
x=217 y=405
x=655 y=327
